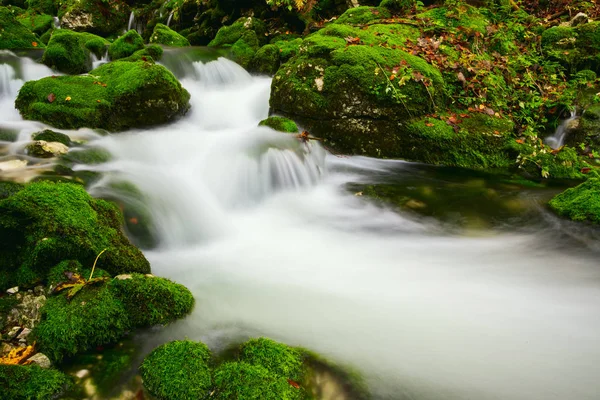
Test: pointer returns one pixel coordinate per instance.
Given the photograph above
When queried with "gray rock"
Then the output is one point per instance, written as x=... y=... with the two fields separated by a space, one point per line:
x=41 y=360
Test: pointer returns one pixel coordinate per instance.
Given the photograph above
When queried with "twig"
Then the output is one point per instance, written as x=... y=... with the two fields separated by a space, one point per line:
x=95 y=261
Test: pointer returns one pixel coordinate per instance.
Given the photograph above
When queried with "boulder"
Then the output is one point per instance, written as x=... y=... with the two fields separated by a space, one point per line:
x=126 y=45
x=69 y=51
x=94 y=16
x=162 y=34
x=115 y=96
x=13 y=35
x=243 y=38
x=581 y=203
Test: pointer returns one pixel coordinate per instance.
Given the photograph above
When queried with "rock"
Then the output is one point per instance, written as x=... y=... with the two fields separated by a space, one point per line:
x=13 y=290
x=162 y=34
x=94 y=16
x=82 y=373
x=115 y=96
x=43 y=149
x=14 y=34
x=243 y=38
x=123 y=277
x=126 y=45
x=24 y=333
x=576 y=48
x=52 y=136
x=13 y=332
x=37 y=23
x=41 y=360
x=70 y=52
x=12 y=165
x=581 y=203
x=43 y=211
x=280 y=124
x=32 y=382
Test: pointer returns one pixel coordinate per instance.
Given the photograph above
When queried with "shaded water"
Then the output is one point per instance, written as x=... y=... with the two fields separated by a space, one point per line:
x=272 y=241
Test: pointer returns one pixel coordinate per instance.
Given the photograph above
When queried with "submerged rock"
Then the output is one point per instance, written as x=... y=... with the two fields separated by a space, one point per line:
x=52 y=136
x=115 y=96
x=43 y=149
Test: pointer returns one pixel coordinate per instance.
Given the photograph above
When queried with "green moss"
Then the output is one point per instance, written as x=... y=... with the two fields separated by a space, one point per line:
x=244 y=37
x=43 y=6
x=280 y=124
x=46 y=223
x=266 y=60
x=90 y=156
x=8 y=135
x=116 y=96
x=13 y=35
x=178 y=370
x=69 y=51
x=164 y=35
x=575 y=48
x=363 y=15
x=581 y=203
x=565 y=164
x=93 y=318
x=277 y=358
x=51 y=136
x=399 y=6
x=240 y=380
x=37 y=23
x=458 y=15
x=126 y=45
x=153 y=301
x=31 y=382
x=59 y=273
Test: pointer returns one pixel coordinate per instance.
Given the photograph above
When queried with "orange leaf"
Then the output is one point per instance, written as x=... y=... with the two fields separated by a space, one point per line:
x=520 y=141
x=585 y=170
x=34 y=44
x=429 y=124
x=294 y=384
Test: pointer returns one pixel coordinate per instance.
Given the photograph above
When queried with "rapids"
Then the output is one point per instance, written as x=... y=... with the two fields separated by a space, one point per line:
x=264 y=232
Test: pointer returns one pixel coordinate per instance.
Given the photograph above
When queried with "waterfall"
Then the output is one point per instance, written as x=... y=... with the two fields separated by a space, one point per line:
x=557 y=140
x=131 y=23
x=56 y=22
x=96 y=62
x=169 y=19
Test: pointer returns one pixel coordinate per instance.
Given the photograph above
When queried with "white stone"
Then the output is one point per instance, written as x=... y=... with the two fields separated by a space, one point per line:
x=41 y=360
x=82 y=373
x=12 y=165
x=13 y=290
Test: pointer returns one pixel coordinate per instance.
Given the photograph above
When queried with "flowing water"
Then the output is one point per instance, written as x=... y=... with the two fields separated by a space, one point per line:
x=266 y=233
x=557 y=139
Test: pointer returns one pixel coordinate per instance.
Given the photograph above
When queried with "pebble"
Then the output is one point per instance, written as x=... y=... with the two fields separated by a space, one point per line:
x=41 y=360
x=82 y=373
x=13 y=290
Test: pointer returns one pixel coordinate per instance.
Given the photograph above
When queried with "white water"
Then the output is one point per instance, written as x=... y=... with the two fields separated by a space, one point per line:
x=96 y=62
x=134 y=24
x=257 y=225
x=169 y=19
x=557 y=140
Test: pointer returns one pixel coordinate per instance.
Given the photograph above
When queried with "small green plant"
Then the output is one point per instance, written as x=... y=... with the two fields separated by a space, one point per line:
x=77 y=282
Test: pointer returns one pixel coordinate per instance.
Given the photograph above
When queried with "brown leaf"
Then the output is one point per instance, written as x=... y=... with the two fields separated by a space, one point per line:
x=18 y=356
x=51 y=97
x=429 y=124
x=293 y=384
x=520 y=141
x=586 y=170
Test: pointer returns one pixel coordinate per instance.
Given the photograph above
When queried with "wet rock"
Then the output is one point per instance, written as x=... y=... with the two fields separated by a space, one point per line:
x=43 y=149
x=41 y=360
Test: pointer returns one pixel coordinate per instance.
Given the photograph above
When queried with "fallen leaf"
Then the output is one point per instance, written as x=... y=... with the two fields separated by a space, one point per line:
x=51 y=97
x=18 y=356
x=68 y=98
x=586 y=170
x=461 y=77
x=520 y=141
x=133 y=220
x=293 y=384
x=34 y=44
x=429 y=124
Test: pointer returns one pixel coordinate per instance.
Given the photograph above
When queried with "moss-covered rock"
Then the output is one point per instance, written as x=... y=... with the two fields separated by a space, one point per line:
x=280 y=124
x=178 y=370
x=103 y=313
x=363 y=15
x=31 y=382
x=277 y=358
x=244 y=37
x=581 y=203
x=52 y=136
x=94 y=16
x=45 y=223
x=471 y=20
x=240 y=380
x=162 y=34
x=576 y=48
x=13 y=35
x=150 y=53
x=399 y=6
x=126 y=45
x=37 y=23
x=49 y=7
x=44 y=149
x=115 y=96
x=70 y=51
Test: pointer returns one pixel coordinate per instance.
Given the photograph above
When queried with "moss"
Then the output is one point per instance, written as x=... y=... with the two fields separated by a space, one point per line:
x=280 y=124
x=150 y=53
x=240 y=380
x=564 y=164
x=469 y=19
x=46 y=223
x=37 y=23
x=164 y=35
x=94 y=317
x=31 y=382
x=13 y=35
x=7 y=189
x=575 y=48
x=581 y=203
x=277 y=358
x=126 y=45
x=8 y=135
x=90 y=156
x=178 y=370
x=116 y=96
x=51 y=136
x=43 y=6
x=69 y=51
x=153 y=301
x=266 y=60
x=59 y=273
x=244 y=37
x=363 y=15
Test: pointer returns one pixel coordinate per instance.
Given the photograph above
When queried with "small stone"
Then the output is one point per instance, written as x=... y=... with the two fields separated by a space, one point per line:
x=13 y=290
x=13 y=332
x=82 y=373
x=24 y=333
x=149 y=276
x=123 y=277
x=43 y=149
x=41 y=360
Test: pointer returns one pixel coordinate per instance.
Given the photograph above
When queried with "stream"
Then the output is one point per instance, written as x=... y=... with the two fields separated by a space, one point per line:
x=482 y=294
